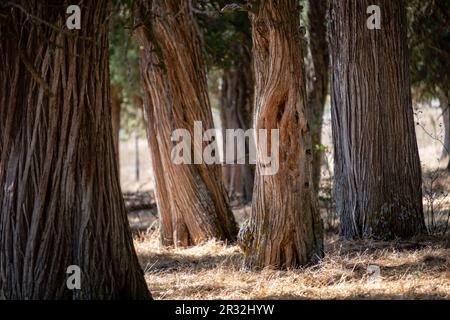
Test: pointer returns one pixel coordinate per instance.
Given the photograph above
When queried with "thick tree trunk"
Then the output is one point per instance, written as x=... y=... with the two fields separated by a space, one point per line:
x=115 y=120
x=317 y=79
x=285 y=229
x=236 y=112
x=60 y=199
x=377 y=168
x=192 y=201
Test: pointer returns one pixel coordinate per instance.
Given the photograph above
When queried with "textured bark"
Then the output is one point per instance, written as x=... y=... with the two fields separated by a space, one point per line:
x=191 y=199
x=285 y=229
x=115 y=120
x=236 y=112
x=377 y=168
x=60 y=199
x=317 y=79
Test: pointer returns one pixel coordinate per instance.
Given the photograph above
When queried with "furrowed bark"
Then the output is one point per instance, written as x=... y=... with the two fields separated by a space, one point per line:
x=285 y=229
x=377 y=167
x=191 y=199
x=60 y=199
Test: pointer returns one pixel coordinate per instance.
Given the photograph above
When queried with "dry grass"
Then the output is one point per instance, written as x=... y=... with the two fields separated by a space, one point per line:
x=413 y=270
x=409 y=270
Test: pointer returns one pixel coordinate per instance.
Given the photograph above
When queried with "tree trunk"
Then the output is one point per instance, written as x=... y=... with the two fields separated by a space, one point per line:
x=115 y=119
x=285 y=229
x=444 y=101
x=60 y=199
x=377 y=167
x=236 y=112
x=136 y=157
x=317 y=79
x=191 y=199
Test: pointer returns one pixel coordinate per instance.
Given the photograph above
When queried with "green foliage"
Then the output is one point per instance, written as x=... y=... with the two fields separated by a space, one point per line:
x=221 y=32
x=124 y=67
x=224 y=35
x=320 y=148
x=429 y=39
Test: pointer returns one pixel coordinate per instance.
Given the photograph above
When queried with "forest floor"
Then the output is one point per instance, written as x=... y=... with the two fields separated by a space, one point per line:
x=418 y=269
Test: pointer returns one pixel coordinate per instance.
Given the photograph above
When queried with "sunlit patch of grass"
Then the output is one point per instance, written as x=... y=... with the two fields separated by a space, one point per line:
x=409 y=270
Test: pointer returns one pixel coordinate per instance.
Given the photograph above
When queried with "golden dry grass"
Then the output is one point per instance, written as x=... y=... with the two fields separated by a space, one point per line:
x=409 y=270
x=414 y=270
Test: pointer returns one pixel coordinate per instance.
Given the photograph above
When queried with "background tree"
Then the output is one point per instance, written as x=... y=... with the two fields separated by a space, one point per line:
x=377 y=167
x=126 y=93
x=317 y=78
x=228 y=46
x=191 y=199
x=429 y=40
x=285 y=229
x=60 y=200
